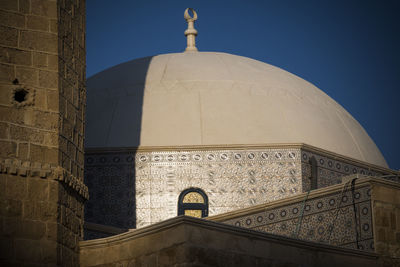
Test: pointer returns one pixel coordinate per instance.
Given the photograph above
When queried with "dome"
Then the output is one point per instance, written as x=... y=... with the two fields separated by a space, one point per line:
x=207 y=98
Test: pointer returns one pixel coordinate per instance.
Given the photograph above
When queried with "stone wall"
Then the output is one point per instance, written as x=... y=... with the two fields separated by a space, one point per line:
x=72 y=94
x=386 y=205
x=42 y=61
x=186 y=241
x=29 y=62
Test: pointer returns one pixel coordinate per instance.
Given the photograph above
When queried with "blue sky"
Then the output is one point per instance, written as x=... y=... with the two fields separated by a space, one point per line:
x=348 y=49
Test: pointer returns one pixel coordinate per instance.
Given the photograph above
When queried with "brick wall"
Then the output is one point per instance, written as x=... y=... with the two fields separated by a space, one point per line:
x=386 y=204
x=29 y=61
x=72 y=95
x=42 y=96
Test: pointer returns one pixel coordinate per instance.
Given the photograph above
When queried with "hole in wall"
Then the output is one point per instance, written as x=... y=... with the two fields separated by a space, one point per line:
x=20 y=95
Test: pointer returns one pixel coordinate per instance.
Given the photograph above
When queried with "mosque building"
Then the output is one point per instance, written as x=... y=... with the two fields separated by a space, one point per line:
x=209 y=133
x=182 y=159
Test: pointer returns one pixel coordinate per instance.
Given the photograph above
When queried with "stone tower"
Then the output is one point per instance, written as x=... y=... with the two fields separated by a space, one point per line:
x=42 y=106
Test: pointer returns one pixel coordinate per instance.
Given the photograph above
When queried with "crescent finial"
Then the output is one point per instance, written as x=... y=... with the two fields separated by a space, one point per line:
x=190 y=32
x=187 y=15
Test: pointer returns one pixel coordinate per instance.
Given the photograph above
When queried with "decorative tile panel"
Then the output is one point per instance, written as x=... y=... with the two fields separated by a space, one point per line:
x=232 y=179
x=330 y=170
x=111 y=182
x=329 y=219
x=129 y=189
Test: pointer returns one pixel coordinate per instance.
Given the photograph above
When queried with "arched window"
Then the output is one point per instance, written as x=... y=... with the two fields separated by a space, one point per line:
x=314 y=173
x=193 y=202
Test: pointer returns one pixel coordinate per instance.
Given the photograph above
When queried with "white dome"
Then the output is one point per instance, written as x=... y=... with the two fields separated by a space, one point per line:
x=206 y=98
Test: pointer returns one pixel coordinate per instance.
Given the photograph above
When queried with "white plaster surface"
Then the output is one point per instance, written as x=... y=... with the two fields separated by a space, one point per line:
x=208 y=98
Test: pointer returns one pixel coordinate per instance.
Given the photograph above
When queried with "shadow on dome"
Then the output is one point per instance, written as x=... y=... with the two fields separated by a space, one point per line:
x=118 y=106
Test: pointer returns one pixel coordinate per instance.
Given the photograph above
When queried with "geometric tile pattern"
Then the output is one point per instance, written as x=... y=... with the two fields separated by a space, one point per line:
x=111 y=182
x=132 y=189
x=232 y=179
x=330 y=170
x=328 y=219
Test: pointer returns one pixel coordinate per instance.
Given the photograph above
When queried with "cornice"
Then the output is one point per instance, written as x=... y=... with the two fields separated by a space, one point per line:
x=46 y=171
x=301 y=146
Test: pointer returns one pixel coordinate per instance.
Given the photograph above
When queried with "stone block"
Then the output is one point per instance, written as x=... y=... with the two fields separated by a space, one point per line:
x=49 y=211
x=21 y=133
x=9 y=5
x=37 y=23
x=52 y=100
x=40 y=60
x=40 y=99
x=49 y=251
x=53 y=26
x=28 y=117
x=12 y=114
x=28 y=250
x=385 y=219
x=12 y=227
x=53 y=62
x=9 y=36
x=4 y=130
x=67 y=129
x=393 y=220
x=11 y=19
x=8 y=149
x=46 y=120
x=5 y=94
x=40 y=41
x=31 y=210
x=10 y=207
x=27 y=76
x=25 y=6
x=65 y=161
x=34 y=230
x=50 y=139
x=46 y=8
x=38 y=189
x=6 y=72
x=6 y=248
x=54 y=188
x=48 y=79
x=172 y=255
x=3 y=182
x=43 y=154
x=23 y=151
x=16 y=187
x=52 y=231
x=15 y=56
x=381 y=234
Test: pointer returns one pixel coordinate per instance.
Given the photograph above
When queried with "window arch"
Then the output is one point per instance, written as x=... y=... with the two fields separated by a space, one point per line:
x=193 y=202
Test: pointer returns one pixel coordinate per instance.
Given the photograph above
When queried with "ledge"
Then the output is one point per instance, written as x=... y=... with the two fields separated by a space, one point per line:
x=220 y=227
x=44 y=171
